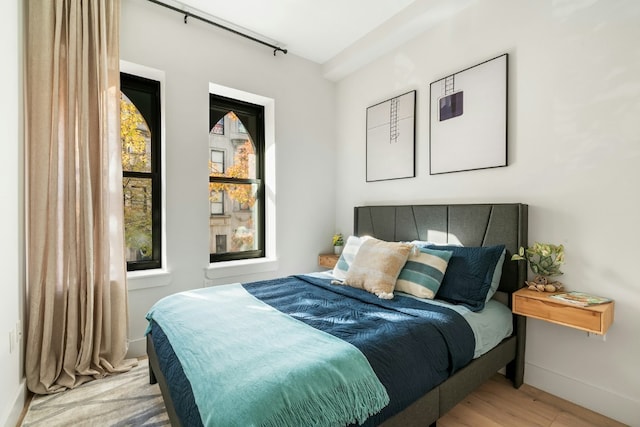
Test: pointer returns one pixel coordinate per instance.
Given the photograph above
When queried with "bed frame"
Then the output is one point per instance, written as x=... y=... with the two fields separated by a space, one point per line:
x=469 y=225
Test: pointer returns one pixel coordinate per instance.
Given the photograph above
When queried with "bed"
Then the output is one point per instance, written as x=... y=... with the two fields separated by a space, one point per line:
x=469 y=226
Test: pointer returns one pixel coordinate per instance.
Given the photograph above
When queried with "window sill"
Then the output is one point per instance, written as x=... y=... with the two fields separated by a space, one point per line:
x=148 y=279
x=224 y=269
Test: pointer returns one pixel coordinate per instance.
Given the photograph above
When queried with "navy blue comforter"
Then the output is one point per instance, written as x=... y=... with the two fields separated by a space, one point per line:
x=411 y=346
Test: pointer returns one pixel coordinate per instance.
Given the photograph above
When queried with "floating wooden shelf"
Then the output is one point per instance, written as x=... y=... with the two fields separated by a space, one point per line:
x=539 y=305
x=328 y=260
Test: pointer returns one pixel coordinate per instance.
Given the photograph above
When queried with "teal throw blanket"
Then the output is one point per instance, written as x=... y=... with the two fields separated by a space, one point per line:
x=252 y=365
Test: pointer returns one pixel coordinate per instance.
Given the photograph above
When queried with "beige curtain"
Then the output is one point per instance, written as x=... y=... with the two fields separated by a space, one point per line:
x=77 y=296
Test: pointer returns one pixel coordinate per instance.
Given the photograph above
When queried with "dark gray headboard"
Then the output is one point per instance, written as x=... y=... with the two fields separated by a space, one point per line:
x=470 y=225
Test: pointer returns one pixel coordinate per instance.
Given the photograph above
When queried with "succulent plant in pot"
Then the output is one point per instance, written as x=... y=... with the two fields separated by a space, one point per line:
x=338 y=243
x=544 y=260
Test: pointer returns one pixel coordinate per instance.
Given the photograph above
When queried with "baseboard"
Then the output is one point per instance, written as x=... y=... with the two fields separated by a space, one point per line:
x=18 y=405
x=137 y=348
x=606 y=402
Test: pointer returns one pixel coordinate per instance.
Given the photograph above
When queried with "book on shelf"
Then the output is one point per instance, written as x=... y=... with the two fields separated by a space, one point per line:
x=580 y=298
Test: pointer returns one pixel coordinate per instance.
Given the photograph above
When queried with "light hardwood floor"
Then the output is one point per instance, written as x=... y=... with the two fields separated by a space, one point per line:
x=497 y=403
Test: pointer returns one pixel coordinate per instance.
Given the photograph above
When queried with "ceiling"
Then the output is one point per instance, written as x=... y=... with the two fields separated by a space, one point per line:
x=329 y=32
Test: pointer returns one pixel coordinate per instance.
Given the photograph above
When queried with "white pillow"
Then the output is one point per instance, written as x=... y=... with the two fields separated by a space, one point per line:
x=347 y=256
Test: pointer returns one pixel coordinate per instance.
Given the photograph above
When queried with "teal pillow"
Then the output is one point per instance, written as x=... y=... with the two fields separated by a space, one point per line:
x=423 y=272
x=497 y=275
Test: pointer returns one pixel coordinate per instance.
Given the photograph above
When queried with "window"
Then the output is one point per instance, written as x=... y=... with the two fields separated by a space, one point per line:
x=141 y=179
x=221 y=243
x=217 y=160
x=216 y=198
x=218 y=128
x=236 y=180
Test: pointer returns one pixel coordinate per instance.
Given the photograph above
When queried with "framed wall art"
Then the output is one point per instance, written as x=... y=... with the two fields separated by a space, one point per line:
x=468 y=119
x=391 y=138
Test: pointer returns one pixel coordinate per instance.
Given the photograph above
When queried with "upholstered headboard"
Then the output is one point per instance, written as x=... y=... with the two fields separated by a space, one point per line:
x=469 y=225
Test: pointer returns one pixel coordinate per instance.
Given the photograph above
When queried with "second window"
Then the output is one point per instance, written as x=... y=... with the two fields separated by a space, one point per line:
x=236 y=179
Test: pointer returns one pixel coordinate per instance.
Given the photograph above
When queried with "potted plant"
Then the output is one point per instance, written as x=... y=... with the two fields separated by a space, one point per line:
x=544 y=260
x=338 y=243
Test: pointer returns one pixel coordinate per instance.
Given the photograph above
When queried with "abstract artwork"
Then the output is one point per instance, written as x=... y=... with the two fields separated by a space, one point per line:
x=468 y=119
x=391 y=138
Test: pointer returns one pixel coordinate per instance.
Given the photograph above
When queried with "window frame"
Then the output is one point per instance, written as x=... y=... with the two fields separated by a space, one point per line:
x=242 y=108
x=153 y=117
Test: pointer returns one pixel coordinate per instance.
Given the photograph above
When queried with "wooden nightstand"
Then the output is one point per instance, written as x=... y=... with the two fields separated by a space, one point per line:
x=593 y=318
x=328 y=260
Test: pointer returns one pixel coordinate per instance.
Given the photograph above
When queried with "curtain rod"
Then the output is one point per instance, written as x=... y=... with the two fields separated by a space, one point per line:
x=188 y=14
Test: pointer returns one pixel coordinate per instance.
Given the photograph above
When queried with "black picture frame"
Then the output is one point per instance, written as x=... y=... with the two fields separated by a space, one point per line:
x=468 y=118
x=391 y=131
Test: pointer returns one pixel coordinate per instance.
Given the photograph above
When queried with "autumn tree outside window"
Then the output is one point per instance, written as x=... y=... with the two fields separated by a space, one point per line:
x=236 y=179
x=140 y=135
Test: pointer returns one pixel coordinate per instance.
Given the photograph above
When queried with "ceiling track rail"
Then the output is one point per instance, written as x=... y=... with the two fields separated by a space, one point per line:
x=188 y=14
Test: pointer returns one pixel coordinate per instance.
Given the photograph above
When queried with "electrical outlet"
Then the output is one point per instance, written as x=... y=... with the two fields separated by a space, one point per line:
x=602 y=337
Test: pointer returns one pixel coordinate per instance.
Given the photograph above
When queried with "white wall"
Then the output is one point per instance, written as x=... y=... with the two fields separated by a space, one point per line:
x=12 y=388
x=574 y=150
x=192 y=56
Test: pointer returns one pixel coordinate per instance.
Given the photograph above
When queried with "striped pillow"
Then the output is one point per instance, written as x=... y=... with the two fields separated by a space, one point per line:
x=423 y=273
x=347 y=256
x=377 y=265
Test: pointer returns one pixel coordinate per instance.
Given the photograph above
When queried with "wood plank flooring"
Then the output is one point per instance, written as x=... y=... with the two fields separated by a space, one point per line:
x=497 y=403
